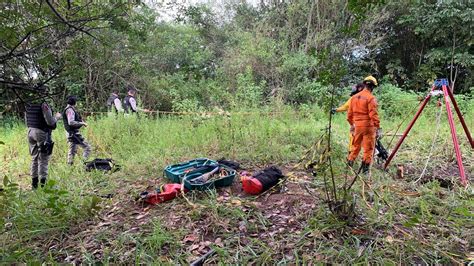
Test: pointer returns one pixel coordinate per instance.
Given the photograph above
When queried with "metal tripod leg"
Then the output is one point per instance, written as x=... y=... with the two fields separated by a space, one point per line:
x=463 y=123
x=400 y=141
x=454 y=136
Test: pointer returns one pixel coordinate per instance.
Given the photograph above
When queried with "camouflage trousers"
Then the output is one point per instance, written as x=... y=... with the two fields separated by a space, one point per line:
x=39 y=160
x=74 y=141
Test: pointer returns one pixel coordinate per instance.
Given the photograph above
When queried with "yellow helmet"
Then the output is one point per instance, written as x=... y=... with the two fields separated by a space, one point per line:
x=371 y=79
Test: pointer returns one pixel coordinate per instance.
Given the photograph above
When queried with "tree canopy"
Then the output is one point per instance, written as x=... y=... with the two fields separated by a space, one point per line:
x=241 y=54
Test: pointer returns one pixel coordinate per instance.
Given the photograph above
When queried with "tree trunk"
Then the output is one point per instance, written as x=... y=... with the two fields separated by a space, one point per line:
x=308 y=27
x=452 y=76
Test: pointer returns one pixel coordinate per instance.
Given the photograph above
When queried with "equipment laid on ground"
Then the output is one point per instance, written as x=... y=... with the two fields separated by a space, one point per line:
x=102 y=164
x=165 y=193
x=198 y=174
x=201 y=174
x=261 y=181
x=441 y=87
x=176 y=171
x=230 y=164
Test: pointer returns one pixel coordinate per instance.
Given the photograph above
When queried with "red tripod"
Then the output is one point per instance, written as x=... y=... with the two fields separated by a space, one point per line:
x=440 y=86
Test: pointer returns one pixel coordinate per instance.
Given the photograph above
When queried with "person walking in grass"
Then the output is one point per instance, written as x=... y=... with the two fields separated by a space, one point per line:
x=129 y=102
x=364 y=121
x=114 y=105
x=41 y=122
x=72 y=123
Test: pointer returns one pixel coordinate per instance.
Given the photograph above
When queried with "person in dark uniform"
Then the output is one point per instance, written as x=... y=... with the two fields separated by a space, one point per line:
x=113 y=102
x=129 y=102
x=72 y=123
x=41 y=123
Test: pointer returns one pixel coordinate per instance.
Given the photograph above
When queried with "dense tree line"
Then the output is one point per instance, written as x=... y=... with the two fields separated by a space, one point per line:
x=248 y=55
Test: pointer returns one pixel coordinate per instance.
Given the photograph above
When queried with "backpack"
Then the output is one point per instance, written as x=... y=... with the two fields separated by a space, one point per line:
x=262 y=181
x=102 y=164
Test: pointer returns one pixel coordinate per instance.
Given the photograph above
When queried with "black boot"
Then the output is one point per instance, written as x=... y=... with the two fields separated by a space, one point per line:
x=365 y=167
x=34 y=183
x=43 y=182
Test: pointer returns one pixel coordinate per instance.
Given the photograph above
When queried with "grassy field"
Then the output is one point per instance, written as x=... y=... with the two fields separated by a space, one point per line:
x=397 y=221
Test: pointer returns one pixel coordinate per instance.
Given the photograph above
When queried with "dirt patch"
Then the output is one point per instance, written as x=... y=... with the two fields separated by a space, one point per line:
x=447 y=174
x=273 y=215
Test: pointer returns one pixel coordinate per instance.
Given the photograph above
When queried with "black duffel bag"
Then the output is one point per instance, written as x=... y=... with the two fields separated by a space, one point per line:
x=102 y=165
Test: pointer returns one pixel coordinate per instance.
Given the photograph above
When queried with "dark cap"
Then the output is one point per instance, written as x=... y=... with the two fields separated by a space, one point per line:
x=71 y=100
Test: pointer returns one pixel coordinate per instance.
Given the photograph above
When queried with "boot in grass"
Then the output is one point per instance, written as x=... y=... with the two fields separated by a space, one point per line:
x=34 y=183
x=365 y=167
x=350 y=163
x=43 y=182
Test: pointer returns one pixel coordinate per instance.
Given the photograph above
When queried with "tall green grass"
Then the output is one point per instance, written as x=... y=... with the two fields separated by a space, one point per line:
x=145 y=145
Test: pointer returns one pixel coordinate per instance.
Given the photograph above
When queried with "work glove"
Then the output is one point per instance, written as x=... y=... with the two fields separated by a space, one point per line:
x=333 y=111
x=378 y=133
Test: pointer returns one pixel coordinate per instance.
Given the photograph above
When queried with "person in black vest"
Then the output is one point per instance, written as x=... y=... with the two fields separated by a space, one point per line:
x=113 y=102
x=72 y=123
x=40 y=122
x=129 y=102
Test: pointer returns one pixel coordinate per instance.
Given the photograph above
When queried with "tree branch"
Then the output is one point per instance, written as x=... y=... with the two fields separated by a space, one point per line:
x=68 y=23
x=24 y=38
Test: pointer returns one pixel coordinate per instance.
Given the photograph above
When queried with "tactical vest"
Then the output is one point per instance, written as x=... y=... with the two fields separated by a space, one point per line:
x=127 y=107
x=77 y=117
x=111 y=103
x=35 y=118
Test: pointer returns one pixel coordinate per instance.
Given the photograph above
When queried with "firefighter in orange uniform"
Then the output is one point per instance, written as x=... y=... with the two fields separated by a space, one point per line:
x=364 y=121
x=343 y=108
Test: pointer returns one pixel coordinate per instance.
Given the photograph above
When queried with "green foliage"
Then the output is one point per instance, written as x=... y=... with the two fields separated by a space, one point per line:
x=394 y=102
x=251 y=58
x=158 y=238
x=248 y=94
x=444 y=30
x=34 y=220
x=206 y=58
x=7 y=192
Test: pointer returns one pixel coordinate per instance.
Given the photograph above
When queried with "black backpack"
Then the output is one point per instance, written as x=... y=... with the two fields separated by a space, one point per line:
x=102 y=165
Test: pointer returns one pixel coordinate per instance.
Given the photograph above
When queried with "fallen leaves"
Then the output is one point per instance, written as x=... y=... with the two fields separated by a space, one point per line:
x=218 y=242
x=103 y=224
x=141 y=216
x=200 y=248
x=236 y=202
x=190 y=238
x=357 y=231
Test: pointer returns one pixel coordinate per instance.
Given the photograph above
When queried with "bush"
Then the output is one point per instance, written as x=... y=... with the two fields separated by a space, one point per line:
x=248 y=94
x=395 y=102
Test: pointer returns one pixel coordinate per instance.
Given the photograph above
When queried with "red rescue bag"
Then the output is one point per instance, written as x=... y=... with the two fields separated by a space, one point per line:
x=166 y=193
x=261 y=181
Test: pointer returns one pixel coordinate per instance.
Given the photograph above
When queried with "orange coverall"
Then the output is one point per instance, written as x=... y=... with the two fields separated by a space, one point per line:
x=362 y=114
x=344 y=108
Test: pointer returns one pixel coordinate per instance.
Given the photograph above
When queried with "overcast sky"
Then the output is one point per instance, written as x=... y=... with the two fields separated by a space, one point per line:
x=163 y=6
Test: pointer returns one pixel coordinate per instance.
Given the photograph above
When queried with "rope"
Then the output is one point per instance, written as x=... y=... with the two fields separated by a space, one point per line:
x=183 y=194
x=438 y=123
x=203 y=113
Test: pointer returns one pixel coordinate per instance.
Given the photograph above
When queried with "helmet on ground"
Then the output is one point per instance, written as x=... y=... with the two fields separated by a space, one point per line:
x=371 y=80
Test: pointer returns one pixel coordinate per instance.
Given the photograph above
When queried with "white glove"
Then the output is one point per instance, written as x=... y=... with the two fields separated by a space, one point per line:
x=378 y=133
